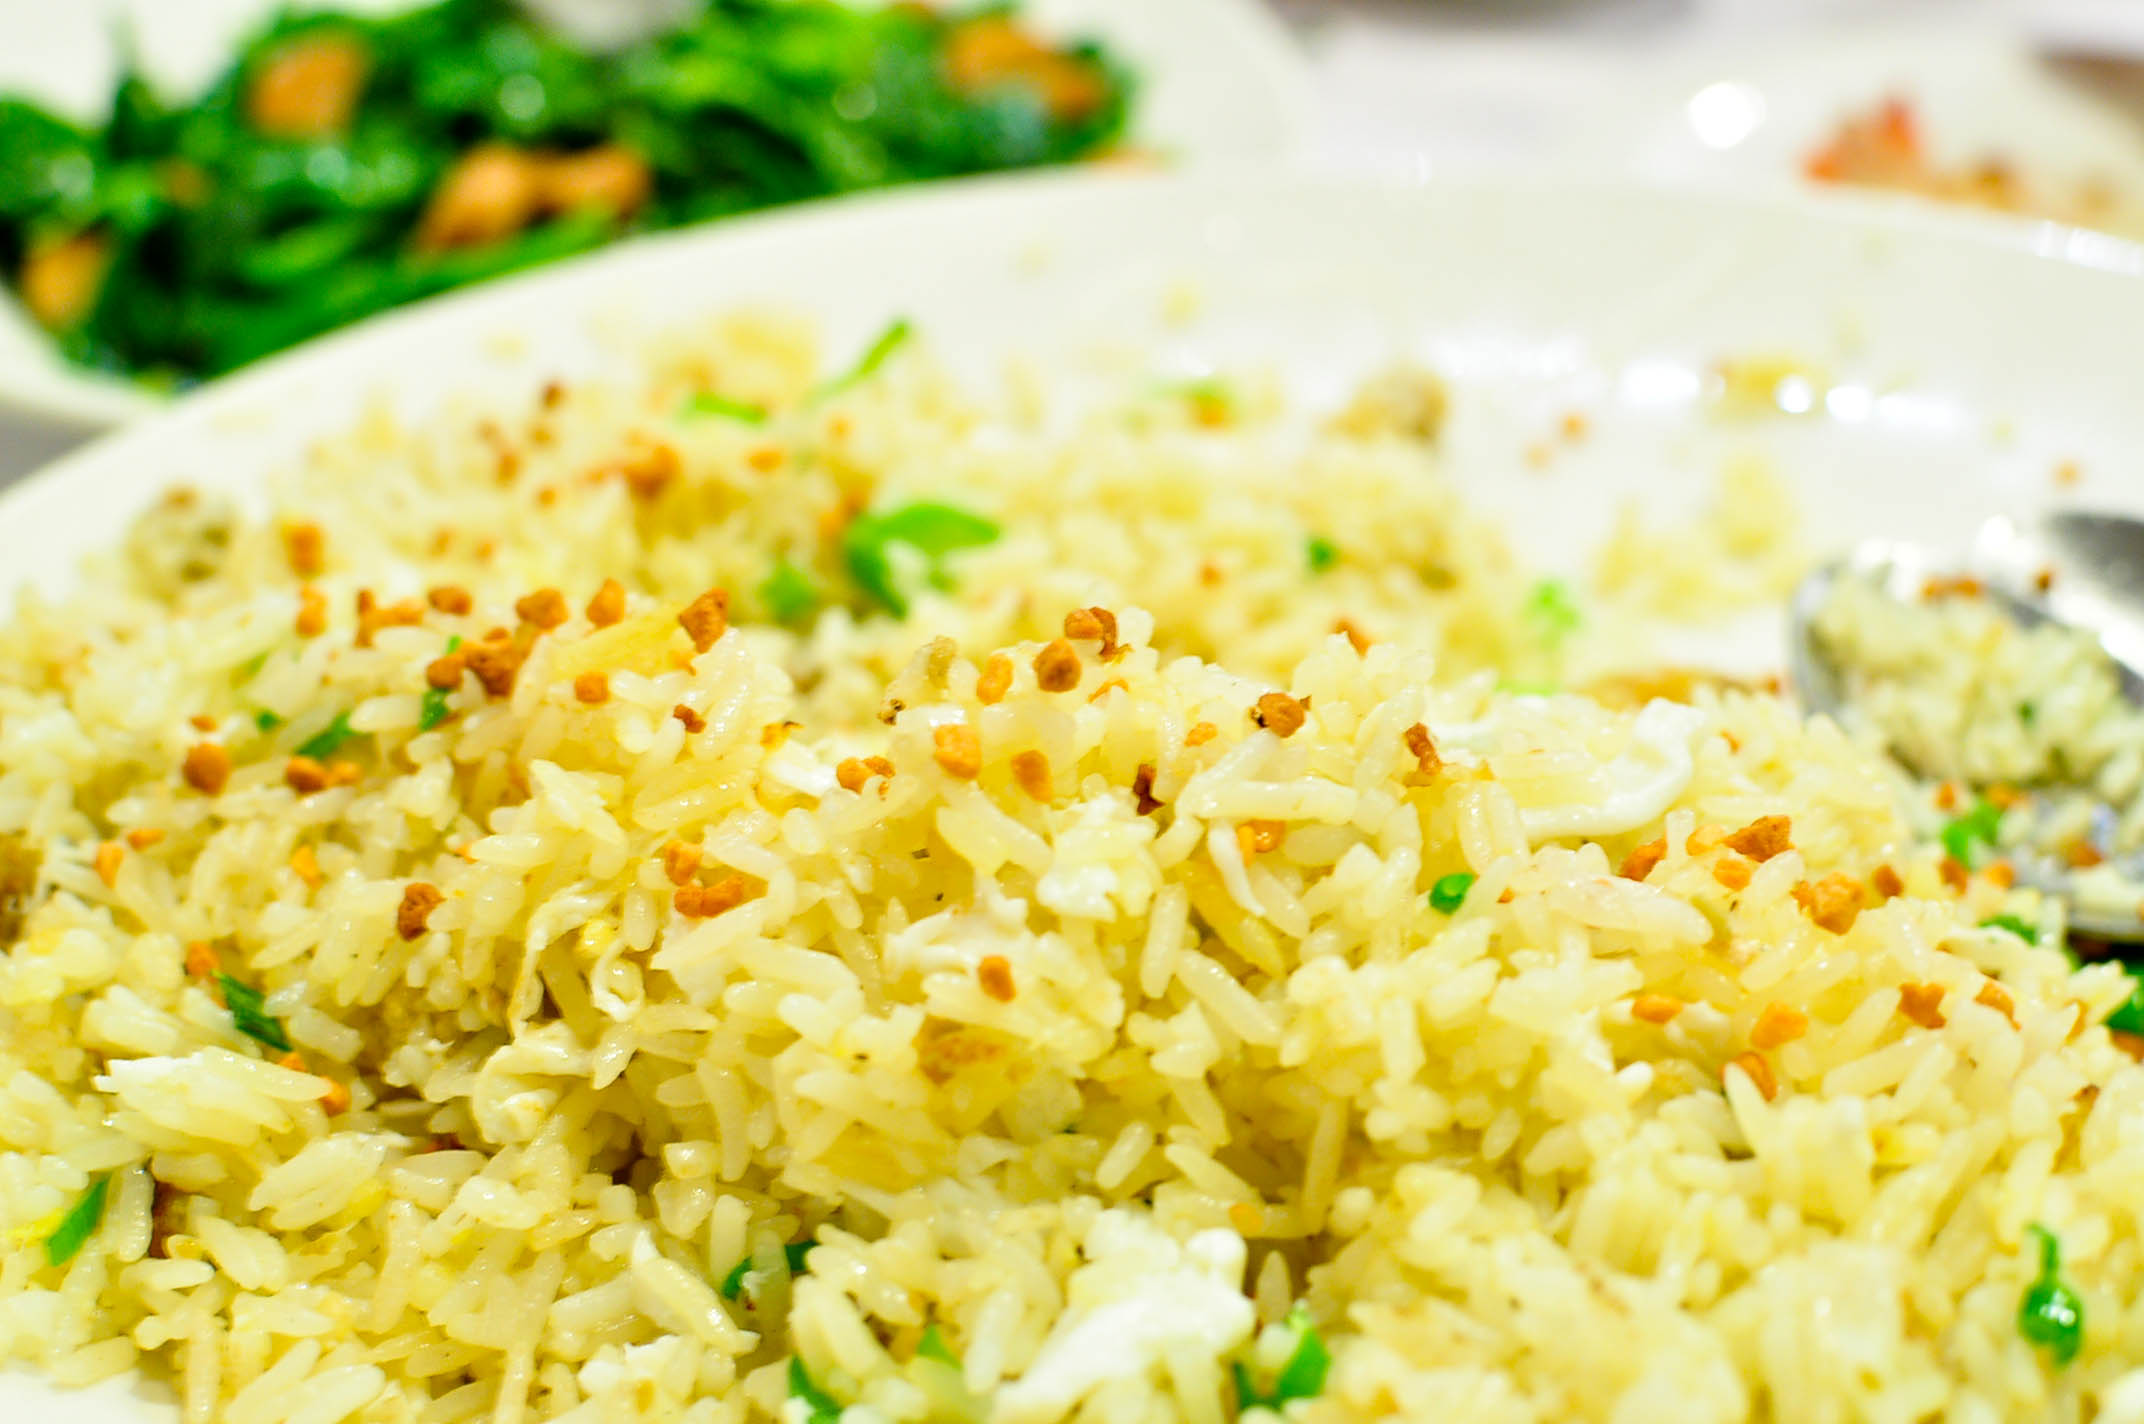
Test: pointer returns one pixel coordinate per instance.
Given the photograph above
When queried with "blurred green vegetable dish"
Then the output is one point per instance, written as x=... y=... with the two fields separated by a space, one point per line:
x=346 y=164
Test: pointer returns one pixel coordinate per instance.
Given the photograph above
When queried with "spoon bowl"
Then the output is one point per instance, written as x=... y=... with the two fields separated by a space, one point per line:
x=2071 y=569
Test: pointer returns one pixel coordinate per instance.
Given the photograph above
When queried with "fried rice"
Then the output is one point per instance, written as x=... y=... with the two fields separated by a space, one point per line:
x=725 y=897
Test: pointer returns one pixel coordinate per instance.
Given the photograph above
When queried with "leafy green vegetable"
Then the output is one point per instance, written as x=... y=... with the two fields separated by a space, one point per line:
x=789 y=593
x=708 y=403
x=1302 y=1376
x=328 y=739
x=2024 y=930
x=2051 y=1315
x=2027 y=713
x=1981 y=825
x=823 y=1408
x=933 y=1347
x=266 y=721
x=1321 y=553
x=933 y=530
x=302 y=254
x=1450 y=892
x=78 y=1225
x=46 y=164
x=875 y=355
x=1552 y=611
x=249 y=1016
x=226 y=242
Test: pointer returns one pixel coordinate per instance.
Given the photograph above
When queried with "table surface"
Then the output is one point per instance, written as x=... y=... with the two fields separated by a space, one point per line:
x=1417 y=87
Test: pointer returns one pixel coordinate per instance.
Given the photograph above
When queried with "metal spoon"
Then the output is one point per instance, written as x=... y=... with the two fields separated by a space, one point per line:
x=2075 y=569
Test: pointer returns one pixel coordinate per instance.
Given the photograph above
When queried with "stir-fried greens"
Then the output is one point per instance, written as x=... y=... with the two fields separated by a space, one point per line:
x=347 y=164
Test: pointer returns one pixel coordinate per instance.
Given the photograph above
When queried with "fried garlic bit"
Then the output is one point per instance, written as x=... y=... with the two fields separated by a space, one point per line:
x=956 y=748
x=1057 y=667
x=994 y=681
x=1643 y=860
x=1279 y=714
x=418 y=902
x=706 y=619
x=606 y=605
x=207 y=768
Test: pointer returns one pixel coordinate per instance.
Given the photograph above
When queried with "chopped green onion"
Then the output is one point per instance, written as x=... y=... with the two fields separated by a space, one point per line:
x=1212 y=399
x=2027 y=713
x=1322 y=553
x=2051 y=1315
x=701 y=403
x=1450 y=892
x=78 y=1225
x=266 y=721
x=932 y=529
x=435 y=708
x=2129 y=1018
x=1981 y=824
x=250 y=669
x=789 y=593
x=933 y=1347
x=2025 y=931
x=1301 y=1377
x=887 y=342
x=823 y=1407
x=1552 y=611
x=324 y=742
x=794 y=1254
x=249 y=1016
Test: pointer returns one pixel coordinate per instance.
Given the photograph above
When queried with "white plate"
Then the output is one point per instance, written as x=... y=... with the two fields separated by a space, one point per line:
x=1962 y=364
x=1219 y=80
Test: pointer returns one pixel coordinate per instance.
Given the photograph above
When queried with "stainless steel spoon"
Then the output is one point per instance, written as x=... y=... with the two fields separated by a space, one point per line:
x=2073 y=568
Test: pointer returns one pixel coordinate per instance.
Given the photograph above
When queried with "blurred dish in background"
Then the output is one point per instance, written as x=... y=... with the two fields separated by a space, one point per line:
x=1975 y=114
x=326 y=230
x=2009 y=113
x=2084 y=56
x=1884 y=147
x=343 y=164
